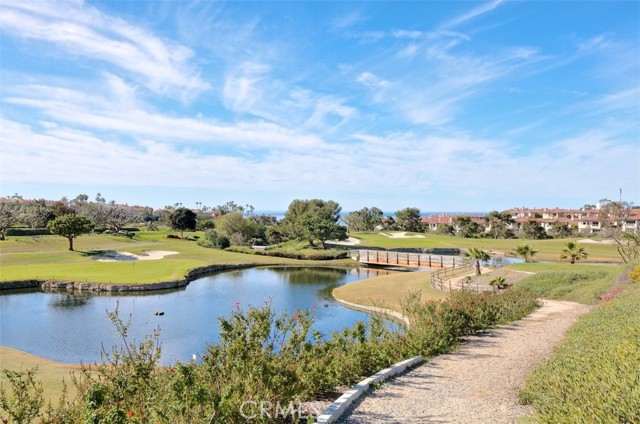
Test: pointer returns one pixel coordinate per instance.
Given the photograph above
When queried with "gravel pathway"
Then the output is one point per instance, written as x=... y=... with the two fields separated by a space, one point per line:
x=478 y=382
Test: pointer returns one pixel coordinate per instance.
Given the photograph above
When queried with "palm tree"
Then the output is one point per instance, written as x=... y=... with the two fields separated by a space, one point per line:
x=573 y=252
x=478 y=255
x=526 y=251
x=498 y=283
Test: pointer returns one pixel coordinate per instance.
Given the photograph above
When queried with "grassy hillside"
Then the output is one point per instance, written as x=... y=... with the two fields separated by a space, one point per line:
x=52 y=375
x=594 y=375
x=575 y=283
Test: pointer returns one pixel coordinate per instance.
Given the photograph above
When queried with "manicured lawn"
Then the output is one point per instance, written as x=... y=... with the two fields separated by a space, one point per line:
x=47 y=257
x=389 y=291
x=548 y=250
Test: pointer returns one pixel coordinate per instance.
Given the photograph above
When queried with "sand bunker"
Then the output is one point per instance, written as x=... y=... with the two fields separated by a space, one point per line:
x=351 y=241
x=151 y=255
x=401 y=235
x=587 y=241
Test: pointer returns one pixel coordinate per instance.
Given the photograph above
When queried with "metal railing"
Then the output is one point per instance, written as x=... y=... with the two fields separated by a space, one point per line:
x=438 y=277
x=404 y=259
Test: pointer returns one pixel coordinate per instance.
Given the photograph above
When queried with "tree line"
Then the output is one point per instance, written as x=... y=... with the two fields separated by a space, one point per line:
x=315 y=221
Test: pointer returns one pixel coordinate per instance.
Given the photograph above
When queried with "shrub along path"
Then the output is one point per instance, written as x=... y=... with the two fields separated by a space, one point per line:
x=477 y=383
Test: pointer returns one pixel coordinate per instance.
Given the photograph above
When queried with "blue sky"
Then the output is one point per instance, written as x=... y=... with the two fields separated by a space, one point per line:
x=445 y=106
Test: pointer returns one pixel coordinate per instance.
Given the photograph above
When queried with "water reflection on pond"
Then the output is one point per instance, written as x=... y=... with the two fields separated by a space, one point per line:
x=71 y=328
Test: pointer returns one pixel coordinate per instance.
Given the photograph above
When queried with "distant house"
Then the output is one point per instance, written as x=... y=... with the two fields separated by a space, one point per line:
x=433 y=222
x=587 y=221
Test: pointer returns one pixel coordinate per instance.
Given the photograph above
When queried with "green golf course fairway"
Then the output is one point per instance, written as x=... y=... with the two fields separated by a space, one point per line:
x=548 y=250
x=48 y=258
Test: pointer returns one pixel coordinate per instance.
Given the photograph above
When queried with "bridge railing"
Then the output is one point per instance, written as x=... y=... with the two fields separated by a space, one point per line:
x=420 y=260
x=438 y=277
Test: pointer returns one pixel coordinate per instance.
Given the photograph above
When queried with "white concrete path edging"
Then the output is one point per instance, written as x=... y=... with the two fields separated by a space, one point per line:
x=337 y=408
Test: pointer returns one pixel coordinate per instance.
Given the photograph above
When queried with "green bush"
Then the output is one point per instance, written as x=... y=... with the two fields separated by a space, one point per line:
x=594 y=376
x=214 y=240
x=437 y=326
x=302 y=254
x=19 y=232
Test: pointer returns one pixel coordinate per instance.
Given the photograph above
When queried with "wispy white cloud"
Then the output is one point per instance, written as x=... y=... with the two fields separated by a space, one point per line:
x=368 y=79
x=83 y=31
x=484 y=168
x=401 y=33
x=242 y=88
x=347 y=20
x=435 y=85
x=473 y=13
x=409 y=51
x=627 y=99
x=402 y=113
x=117 y=112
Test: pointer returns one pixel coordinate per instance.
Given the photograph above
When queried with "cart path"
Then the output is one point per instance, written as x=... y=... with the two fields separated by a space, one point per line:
x=478 y=382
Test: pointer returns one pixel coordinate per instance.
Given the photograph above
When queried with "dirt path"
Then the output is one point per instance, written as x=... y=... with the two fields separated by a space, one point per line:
x=478 y=382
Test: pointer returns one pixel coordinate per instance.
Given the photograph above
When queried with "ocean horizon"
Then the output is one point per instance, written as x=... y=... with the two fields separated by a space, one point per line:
x=280 y=214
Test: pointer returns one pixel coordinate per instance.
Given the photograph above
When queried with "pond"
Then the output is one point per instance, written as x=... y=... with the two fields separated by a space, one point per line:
x=72 y=327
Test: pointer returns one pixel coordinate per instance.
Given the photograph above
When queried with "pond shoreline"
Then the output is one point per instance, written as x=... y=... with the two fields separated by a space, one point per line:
x=390 y=313
x=194 y=274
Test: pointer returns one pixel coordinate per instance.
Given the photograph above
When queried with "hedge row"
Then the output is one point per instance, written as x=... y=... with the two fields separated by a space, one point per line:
x=21 y=232
x=27 y=232
x=304 y=254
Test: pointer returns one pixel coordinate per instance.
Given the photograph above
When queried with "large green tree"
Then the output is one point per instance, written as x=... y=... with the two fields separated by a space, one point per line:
x=408 y=219
x=70 y=226
x=182 y=219
x=561 y=230
x=477 y=255
x=296 y=224
x=322 y=229
x=573 y=252
x=467 y=227
x=237 y=228
x=365 y=219
x=499 y=224
x=532 y=229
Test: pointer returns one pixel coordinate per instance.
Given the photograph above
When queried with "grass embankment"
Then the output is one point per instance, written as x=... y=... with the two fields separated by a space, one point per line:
x=594 y=375
x=548 y=250
x=575 y=283
x=51 y=374
x=578 y=283
x=389 y=291
x=47 y=258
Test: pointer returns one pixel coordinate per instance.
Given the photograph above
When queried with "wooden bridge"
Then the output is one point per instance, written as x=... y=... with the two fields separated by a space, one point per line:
x=402 y=259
